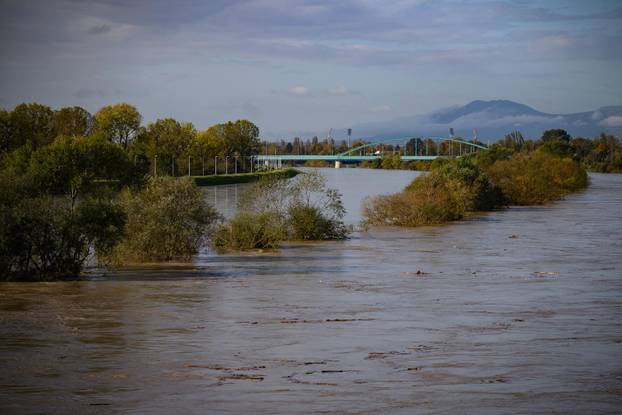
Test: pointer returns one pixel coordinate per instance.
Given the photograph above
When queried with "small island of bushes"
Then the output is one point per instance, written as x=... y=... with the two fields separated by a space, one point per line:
x=479 y=182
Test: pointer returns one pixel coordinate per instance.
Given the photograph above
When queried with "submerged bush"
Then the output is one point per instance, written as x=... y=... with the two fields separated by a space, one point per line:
x=45 y=237
x=447 y=193
x=429 y=199
x=273 y=211
x=169 y=219
x=250 y=231
x=540 y=177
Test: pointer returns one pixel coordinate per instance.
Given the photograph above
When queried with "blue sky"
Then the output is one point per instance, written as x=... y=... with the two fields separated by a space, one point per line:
x=301 y=67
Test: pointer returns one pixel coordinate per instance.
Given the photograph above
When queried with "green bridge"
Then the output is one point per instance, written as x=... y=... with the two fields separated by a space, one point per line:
x=453 y=147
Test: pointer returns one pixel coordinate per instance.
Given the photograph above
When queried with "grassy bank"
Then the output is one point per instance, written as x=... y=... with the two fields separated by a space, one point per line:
x=215 y=180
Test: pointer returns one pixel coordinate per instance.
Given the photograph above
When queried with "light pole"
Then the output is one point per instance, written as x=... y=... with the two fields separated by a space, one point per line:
x=226 y=164
x=216 y=166
x=236 y=164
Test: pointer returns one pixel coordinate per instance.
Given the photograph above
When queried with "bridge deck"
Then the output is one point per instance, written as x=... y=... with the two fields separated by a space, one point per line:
x=335 y=157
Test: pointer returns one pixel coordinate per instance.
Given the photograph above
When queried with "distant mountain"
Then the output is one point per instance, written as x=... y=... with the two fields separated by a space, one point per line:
x=494 y=119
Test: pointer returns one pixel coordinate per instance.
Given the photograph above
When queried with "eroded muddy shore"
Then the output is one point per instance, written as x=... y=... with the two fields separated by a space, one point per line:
x=517 y=311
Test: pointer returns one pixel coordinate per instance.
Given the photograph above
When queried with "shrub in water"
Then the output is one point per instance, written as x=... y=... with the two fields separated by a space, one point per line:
x=429 y=199
x=250 y=231
x=447 y=193
x=276 y=210
x=540 y=177
x=169 y=219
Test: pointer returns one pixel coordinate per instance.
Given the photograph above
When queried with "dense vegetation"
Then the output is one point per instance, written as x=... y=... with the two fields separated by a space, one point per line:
x=448 y=192
x=75 y=187
x=527 y=175
x=165 y=146
x=600 y=154
x=166 y=220
x=273 y=211
x=57 y=207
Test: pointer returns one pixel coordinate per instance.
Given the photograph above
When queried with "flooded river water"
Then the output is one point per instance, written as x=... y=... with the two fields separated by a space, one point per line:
x=514 y=312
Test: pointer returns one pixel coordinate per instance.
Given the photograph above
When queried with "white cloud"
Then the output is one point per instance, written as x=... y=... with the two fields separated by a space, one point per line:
x=613 y=121
x=299 y=91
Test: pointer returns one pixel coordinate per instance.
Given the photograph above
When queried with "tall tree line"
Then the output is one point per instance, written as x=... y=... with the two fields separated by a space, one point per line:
x=166 y=146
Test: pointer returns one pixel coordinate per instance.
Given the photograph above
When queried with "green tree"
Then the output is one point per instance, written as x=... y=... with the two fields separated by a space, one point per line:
x=73 y=121
x=32 y=123
x=6 y=134
x=555 y=134
x=206 y=145
x=561 y=148
x=70 y=166
x=169 y=140
x=44 y=236
x=118 y=123
x=241 y=138
x=168 y=219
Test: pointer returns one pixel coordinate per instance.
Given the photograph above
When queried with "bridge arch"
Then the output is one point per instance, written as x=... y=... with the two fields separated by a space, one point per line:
x=469 y=144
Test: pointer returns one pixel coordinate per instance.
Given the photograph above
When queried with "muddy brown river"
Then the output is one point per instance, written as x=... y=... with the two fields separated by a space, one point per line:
x=513 y=312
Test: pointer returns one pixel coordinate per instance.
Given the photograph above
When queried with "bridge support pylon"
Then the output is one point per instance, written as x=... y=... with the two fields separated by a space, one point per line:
x=337 y=164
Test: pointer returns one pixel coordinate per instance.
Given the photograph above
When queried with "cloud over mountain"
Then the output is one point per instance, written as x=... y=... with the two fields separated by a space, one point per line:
x=493 y=119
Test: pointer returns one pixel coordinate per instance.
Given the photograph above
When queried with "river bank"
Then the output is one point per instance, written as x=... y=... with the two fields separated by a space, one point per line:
x=235 y=178
x=513 y=311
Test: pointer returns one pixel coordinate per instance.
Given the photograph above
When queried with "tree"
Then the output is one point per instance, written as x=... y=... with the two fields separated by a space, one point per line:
x=206 y=145
x=561 y=148
x=514 y=141
x=242 y=138
x=70 y=166
x=6 y=135
x=239 y=138
x=49 y=236
x=168 y=139
x=118 y=123
x=32 y=123
x=168 y=219
x=555 y=134
x=414 y=146
x=583 y=147
x=73 y=121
